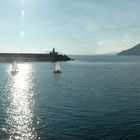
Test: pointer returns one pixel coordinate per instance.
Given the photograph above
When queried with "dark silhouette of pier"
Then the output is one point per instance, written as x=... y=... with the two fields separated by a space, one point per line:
x=52 y=56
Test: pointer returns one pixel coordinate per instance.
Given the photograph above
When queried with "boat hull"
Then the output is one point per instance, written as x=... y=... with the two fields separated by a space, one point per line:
x=58 y=71
x=14 y=72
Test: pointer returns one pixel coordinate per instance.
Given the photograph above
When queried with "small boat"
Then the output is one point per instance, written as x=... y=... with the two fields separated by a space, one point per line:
x=14 y=68
x=57 y=68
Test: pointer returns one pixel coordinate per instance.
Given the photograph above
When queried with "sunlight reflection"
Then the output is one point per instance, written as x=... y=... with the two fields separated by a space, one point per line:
x=20 y=109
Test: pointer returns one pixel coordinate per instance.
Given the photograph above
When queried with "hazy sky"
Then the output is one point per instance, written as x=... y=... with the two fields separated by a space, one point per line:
x=71 y=26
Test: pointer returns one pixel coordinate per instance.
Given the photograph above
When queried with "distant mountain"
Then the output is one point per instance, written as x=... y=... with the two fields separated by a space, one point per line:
x=132 y=51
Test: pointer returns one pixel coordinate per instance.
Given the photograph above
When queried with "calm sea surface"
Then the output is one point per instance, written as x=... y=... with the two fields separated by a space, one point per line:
x=95 y=98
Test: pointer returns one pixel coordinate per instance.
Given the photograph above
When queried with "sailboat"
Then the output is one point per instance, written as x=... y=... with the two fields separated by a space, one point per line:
x=14 y=68
x=57 y=68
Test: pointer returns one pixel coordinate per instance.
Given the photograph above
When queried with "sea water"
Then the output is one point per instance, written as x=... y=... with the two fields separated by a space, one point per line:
x=94 y=98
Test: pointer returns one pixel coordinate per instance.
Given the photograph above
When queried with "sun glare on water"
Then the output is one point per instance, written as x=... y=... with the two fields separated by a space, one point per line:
x=19 y=111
